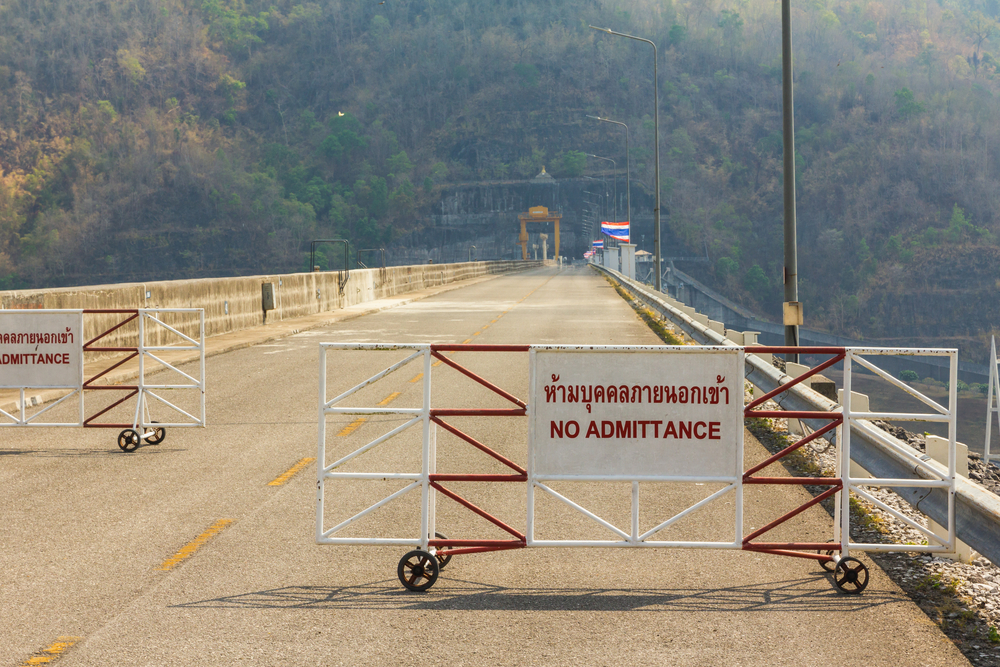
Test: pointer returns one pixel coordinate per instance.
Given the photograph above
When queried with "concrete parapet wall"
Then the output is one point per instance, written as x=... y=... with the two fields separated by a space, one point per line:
x=232 y=304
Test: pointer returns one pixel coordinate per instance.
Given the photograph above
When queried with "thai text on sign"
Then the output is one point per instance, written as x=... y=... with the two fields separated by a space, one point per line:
x=674 y=412
x=41 y=349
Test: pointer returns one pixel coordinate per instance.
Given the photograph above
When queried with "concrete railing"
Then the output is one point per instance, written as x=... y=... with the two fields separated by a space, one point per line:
x=977 y=511
x=233 y=304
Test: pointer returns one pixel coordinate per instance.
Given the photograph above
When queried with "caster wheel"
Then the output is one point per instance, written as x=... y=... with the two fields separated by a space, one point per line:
x=418 y=570
x=827 y=565
x=851 y=575
x=445 y=559
x=128 y=440
x=158 y=435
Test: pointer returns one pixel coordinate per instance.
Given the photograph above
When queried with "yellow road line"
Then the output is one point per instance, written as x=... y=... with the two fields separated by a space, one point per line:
x=417 y=378
x=47 y=655
x=352 y=427
x=467 y=340
x=191 y=547
x=475 y=334
x=390 y=398
x=288 y=474
x=437 y=363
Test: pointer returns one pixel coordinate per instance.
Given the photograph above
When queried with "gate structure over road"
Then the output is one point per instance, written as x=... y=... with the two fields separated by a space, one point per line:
x=45 y=349
x=603 y=414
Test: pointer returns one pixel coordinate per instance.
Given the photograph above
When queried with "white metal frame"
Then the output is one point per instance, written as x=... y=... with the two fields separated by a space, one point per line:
x=934 y=478
x=416 y=480
x=631 y=538
x=141 y=417
x=992 y=402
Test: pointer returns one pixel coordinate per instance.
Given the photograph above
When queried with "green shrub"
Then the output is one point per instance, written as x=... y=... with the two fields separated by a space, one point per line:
x=908 y=376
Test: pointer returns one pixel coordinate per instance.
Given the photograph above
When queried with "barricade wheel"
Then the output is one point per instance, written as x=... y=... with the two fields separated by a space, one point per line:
x=827 y=565
x=445 y=559
x=159 y=433
x=128 y=440
x=418 y=570
x=851 y=575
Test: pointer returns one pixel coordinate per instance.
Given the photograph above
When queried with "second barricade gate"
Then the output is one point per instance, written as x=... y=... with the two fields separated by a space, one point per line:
x=47 y=350
x=590 y=420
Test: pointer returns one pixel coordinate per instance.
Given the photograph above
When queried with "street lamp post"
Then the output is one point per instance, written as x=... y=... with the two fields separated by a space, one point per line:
x=614 y=166
x=628 y=168
x=656 y=131
x=791 y=277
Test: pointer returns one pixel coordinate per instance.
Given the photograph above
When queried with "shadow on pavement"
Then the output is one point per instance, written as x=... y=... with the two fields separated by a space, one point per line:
x=145 y=450
x=794 y=595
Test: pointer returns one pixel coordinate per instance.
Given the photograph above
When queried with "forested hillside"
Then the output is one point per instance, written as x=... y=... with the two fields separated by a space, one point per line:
x=144 y=139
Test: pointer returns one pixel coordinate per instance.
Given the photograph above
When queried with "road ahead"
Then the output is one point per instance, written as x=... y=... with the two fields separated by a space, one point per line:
x=184 y=553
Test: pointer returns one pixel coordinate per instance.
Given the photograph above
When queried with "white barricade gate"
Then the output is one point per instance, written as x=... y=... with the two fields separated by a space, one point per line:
x=637 y=415
x=47 y=350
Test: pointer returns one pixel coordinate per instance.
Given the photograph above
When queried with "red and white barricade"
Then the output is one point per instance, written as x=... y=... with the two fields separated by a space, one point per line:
x=47 y=350
x=638 y=415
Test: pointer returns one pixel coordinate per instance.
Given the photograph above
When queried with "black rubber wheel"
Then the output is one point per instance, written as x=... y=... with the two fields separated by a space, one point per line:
x=442 y=560
x=851 y=575
x=418 y=570
x=159 y=434
x=827 y=565
x=128 y=440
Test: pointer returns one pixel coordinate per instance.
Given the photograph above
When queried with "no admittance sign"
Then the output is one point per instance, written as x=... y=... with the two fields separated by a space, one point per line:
x=41 y=349
x=672 y=412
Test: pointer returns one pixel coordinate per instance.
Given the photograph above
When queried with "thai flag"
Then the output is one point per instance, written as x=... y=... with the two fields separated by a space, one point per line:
x=599 y=244
x=616 y=230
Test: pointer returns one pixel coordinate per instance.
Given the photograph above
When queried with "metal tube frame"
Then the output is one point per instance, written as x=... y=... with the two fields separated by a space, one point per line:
x=658 y=285
x=141 y=421
x=429 y=482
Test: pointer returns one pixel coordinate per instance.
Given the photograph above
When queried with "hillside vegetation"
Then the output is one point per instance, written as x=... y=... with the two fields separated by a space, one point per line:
x=166 y=138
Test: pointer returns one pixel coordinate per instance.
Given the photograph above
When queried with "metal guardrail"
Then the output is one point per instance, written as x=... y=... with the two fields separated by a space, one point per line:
x=977 y=511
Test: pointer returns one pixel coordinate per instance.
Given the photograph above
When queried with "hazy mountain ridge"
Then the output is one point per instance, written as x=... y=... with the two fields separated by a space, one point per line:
x=204 y=137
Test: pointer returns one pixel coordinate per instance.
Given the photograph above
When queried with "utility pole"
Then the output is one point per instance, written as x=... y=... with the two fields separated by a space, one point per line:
x=791 y=309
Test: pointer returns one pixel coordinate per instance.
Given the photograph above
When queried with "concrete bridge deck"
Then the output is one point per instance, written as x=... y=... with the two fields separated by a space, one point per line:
x=183 y=553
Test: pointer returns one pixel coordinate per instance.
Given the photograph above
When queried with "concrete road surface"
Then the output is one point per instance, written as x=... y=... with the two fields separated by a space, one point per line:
x=185 y=553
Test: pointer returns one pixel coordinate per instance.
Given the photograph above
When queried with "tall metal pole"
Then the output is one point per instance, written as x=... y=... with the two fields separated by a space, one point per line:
x=791 y=278
x=628 y=168
x=614 y=166
x=658 y=284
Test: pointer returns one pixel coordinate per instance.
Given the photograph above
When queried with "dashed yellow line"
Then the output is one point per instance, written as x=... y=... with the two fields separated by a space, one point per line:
x=49 y=654
x=352 y=427
x=467 y=340
x=390 y=398
x=417 y=378
x=191 y=547
x=288 y=474
x=475 y=334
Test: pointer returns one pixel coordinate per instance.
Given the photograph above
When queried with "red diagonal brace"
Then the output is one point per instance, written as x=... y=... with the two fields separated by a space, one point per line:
x=88 y=385
x=486 y=383
x=86 y=346
x=88 y=423
x=462 y=501
x=808 y=374
x=478 y=445
x=791 y=448
x=802 y=508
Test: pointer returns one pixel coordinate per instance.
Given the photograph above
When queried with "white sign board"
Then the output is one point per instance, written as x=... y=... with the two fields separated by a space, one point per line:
x=674 y=412
x=41 y=349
